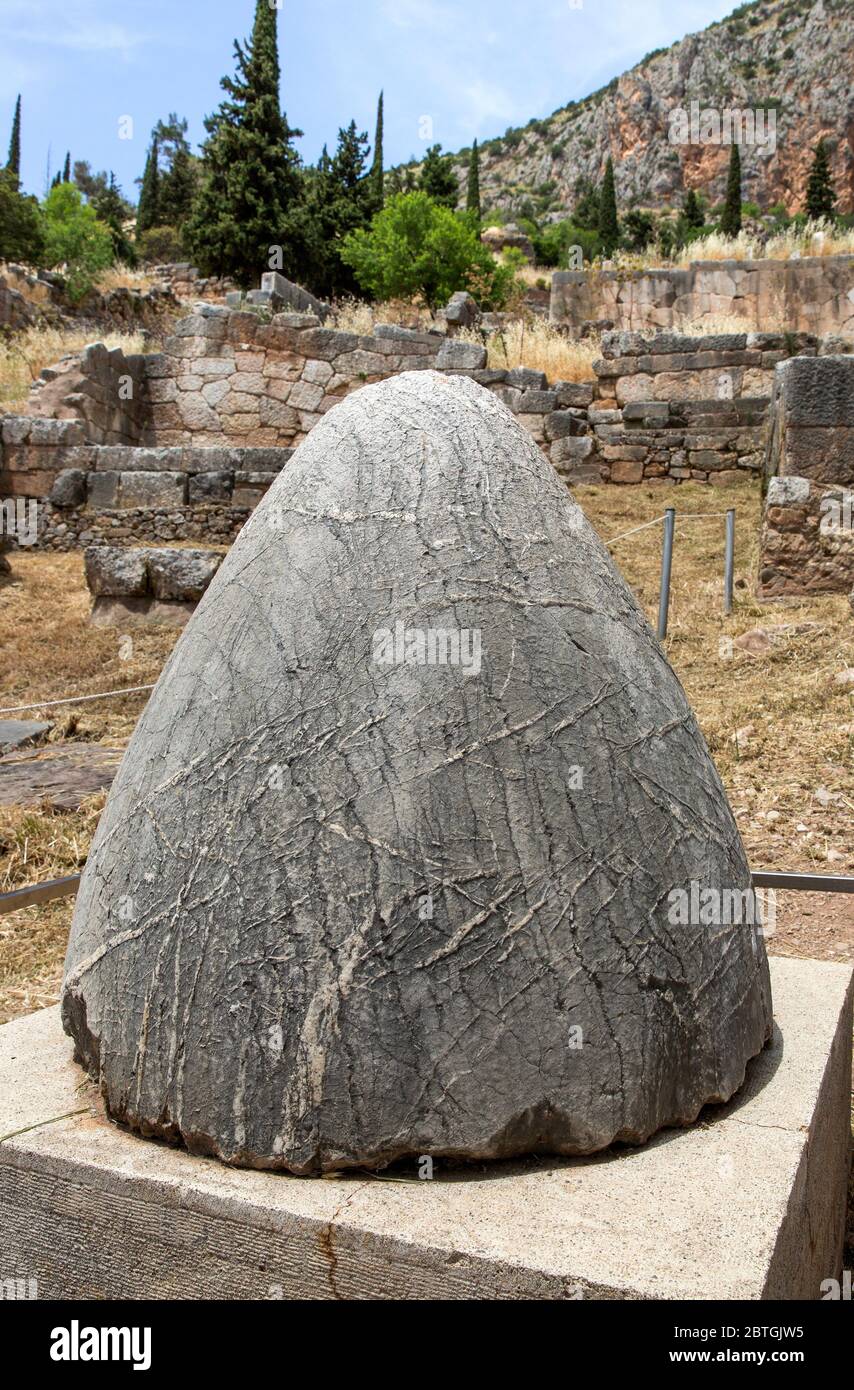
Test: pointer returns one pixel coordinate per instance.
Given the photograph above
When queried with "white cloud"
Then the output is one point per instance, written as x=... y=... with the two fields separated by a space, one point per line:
x=482 y=103
x=84 y=38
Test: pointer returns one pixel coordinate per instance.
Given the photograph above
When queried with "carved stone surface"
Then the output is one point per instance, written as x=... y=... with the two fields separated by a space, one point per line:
x=349 y=901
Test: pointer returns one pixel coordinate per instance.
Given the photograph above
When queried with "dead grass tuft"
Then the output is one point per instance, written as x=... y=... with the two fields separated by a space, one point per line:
x=537 y=344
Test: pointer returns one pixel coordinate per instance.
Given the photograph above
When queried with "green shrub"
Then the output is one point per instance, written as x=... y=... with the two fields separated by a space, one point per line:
x=415 y=248
x=552 y=244
x=160 y=244
x=21 y=223
x=74 y=237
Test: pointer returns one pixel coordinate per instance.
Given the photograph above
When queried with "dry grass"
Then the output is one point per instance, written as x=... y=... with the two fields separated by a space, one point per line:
x=788 y=780
x=802 y=735
x=124 y=277
x=24 y=354
x=353 y=315
x=535 y=277
x=819 y=238
x=535 y=343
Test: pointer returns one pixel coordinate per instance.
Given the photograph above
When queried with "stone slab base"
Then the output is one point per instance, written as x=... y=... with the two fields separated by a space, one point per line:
x=108 y=611
x=748 y=1203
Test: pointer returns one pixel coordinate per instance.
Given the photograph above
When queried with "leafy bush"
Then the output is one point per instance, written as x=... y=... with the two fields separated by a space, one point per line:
x=638 y=229
x=416 y=248
x=21 y=225
x=75 y=237
x=552 y=244
x=161 y=245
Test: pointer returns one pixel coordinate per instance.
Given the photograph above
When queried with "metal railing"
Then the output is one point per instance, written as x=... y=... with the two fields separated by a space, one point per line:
x=36 y=893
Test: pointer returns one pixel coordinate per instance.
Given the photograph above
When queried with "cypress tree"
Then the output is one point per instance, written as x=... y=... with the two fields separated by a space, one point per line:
x=252 y=183
x=376 y=174
x=340 y=200
x=821 y=198
x=609 y=227
x=148 y=212
x=66 y=172
x=731 y=220
x=438 y=179
x=473 y=186
x=13 y=163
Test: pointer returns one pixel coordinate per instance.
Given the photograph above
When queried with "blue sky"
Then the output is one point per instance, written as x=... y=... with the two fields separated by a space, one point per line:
x=472 y=66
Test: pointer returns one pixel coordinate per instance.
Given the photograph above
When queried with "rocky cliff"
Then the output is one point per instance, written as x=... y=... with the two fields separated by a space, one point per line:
x=794 y=57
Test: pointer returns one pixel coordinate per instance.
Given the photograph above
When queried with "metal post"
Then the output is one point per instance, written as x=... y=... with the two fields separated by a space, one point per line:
x=729 y=559
x=666 y=562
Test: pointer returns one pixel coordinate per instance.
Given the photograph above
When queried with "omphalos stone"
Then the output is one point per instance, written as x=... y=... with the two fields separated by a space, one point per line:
x=417 y=848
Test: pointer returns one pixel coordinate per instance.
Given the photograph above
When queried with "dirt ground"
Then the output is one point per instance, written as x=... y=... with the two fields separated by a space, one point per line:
x=780 y=728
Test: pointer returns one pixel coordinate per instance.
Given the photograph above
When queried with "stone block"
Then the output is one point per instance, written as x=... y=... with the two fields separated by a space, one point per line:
x=140 y=489
x=527 y=379
x=787 y=492
x=52 y=433
x=278 y=414
x=181 y=574
x=209 y=487
x=574 y=393
x=69 y=488
x=305 y=395
x=115 y=570
x=627 y=471
x=196 y=414
x=16 y=428
x=455 y=353
x=461 y=310
x=647 y=414
x=537 y=402
x=102 y=489
x=561 y=423
x=748 y=1203
x=21 y=733
x=327 y=343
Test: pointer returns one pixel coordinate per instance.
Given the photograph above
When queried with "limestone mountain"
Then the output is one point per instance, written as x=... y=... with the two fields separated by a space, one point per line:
x=793 y=57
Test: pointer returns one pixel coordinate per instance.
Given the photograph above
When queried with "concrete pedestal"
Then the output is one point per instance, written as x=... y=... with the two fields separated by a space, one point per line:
x=748 y=1203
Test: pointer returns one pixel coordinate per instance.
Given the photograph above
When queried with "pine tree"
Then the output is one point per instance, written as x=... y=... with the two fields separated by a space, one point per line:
x=66 y=171
x=438 y=179
x=376 y=174
x=112 y=210
x=148 y=212
x=609 y=227
x=473 y=186
x=731 y=219
x=252 y=183
x=821 y=198
x=178 y=172
x=585 y=214
x=692 y=213
x=13 y=163
x=340 y=200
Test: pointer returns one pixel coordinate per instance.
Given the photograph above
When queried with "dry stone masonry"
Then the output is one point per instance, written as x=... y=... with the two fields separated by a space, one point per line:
x=155 y=584
x=367 y=884
x=808 y=525
x=814 y=294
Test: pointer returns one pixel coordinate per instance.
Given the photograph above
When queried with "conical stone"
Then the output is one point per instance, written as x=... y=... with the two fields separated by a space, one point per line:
x=417 y=848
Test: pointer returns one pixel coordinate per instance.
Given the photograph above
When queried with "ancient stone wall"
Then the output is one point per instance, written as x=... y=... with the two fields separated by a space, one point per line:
x=678 y=367
x=104 y=389
x=811 y=295
x=808 y=525
x=182 y=444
